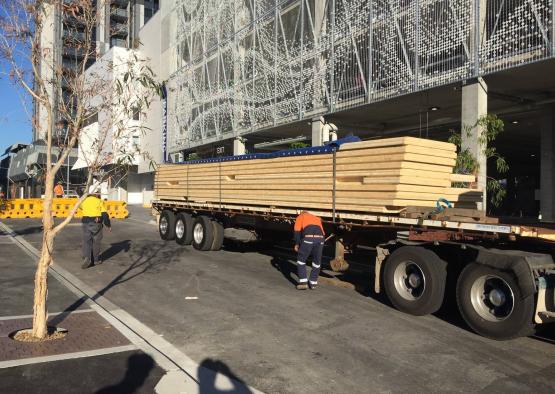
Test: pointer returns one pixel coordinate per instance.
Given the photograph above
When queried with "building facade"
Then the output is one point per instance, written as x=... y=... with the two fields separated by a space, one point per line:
x=283 y=70
x=252 y=75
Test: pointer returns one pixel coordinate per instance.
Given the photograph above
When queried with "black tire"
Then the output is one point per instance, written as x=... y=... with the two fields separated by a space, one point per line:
x=414 y=280
x=493 y=316
x=184 y=229
x=203 y=233
x=218 y=236
x=166 y=225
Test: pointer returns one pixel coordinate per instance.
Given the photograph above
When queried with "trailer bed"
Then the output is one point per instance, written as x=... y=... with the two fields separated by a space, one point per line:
x=389 y=220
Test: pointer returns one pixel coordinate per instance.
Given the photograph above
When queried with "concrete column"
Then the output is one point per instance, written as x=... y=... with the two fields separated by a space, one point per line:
x=320 y=135
x=320 y=63
x=474 y=106
x=547 y=174
x=238 y=146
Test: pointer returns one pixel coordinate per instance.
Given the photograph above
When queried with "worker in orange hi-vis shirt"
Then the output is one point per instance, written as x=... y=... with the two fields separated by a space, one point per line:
x=59 y=190
x=309 y=241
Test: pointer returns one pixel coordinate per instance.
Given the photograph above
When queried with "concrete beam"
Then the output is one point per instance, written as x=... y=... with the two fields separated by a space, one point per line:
x=238 y=146
x=320 y=134
x=547 y=172
x=475 y=105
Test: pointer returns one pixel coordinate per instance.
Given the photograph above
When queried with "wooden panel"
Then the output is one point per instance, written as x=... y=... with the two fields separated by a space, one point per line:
x=371 y=176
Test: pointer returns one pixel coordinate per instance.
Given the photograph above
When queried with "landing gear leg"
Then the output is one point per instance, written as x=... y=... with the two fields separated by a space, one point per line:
x=338 y=264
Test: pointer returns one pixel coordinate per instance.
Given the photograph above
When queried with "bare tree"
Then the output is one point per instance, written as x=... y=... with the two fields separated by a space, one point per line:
x=90 y=104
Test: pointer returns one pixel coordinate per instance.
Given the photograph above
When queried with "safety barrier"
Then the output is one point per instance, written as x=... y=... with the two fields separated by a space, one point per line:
x=20 y=208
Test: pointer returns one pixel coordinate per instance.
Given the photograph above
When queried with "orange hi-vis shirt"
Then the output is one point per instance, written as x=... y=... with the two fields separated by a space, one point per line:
x=58 y=190
x=307 y=224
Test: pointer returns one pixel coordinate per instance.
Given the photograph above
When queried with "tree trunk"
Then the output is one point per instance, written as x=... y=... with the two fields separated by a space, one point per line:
x=40 y=315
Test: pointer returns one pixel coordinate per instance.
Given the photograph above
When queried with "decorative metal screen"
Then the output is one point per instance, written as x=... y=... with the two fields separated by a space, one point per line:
x=246 y=65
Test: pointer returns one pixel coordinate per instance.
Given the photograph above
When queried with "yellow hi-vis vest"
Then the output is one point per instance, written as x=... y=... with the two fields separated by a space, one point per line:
x=92 y=207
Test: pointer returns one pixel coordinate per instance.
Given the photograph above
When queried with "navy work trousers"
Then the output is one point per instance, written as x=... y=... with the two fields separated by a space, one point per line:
x=310 y=247
x=92 y=237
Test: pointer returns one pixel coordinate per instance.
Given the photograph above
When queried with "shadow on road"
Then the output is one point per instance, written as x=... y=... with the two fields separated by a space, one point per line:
x=151 y=258
x=285 y=267
x=29 y=230
x=115 y=248
x=283 y=260
x=207 y=379
x=139 y=367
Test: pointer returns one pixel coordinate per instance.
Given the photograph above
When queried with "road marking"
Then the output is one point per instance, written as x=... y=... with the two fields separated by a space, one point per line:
x=66 y=356
x=151 y=222
x=49 y=314
x=166 y=355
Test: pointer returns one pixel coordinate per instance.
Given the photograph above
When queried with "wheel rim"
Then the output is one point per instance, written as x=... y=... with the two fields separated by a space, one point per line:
x=410 y=281
x=163 y=225
x=179 y=229
x=198 y=233
x=492 y=298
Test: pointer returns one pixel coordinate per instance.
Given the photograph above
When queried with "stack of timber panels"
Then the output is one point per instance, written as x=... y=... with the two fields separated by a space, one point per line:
x=370 y=176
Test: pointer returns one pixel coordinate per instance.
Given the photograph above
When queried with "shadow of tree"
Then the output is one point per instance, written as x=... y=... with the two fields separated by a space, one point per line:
x=149 y=258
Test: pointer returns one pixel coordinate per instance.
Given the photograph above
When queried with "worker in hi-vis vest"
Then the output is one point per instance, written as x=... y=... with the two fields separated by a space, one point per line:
x=59 y=190
x=94 y=218
x=309 y=241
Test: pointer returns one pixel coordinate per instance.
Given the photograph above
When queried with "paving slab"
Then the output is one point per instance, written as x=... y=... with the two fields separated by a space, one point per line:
x=85 y=331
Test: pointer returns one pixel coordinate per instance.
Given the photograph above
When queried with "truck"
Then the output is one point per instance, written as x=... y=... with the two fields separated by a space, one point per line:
x=501 y=275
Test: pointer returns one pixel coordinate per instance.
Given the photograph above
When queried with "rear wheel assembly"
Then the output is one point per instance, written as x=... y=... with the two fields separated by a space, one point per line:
x=203 y=233
x=491 y=303
x=184 y=229
x=218 y=236
x=414 y=280
x=166 y=225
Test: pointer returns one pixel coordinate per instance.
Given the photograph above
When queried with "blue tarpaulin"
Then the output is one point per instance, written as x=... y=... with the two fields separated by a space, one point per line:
x=315 y=150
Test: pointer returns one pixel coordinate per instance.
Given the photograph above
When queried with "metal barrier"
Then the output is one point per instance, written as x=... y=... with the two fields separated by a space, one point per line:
x=20 y=208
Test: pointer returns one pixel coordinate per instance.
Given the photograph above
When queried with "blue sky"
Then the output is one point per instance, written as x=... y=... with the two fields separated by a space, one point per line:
x=15 y=124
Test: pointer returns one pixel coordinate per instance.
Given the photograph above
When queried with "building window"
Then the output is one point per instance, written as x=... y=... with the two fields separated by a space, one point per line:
x=136 y=114
x=150 y=8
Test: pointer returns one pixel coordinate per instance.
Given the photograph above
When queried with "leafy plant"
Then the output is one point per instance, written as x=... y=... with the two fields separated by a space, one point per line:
x=467 y=163
x=298 y=145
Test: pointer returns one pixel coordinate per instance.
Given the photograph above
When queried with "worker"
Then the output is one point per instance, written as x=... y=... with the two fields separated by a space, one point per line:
x=94 y=218
x=309 y=241
x=59 y=190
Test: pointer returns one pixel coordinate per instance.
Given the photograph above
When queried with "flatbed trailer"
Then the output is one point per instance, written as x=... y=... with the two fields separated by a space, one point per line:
x=503 y=275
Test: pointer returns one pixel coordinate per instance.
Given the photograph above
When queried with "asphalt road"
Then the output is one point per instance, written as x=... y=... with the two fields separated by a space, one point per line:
x=237 y=311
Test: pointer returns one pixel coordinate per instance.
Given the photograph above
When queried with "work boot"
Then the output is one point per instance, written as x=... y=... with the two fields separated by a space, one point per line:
x=302 y=286
x=86 y=264
x=98 y=262
x=312 y=286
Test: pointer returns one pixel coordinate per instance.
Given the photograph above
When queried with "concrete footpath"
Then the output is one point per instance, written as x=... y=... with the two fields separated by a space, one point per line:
x=106 y=349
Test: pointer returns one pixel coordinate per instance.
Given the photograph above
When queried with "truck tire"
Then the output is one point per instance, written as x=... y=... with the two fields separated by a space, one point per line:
x=218 y=236
x=491 y=303
x=414 y=280
x=166 y=225
x=203 y=233
x=184 y=229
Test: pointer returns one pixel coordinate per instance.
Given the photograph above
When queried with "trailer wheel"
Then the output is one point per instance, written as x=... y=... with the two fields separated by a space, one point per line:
x=414 y=280
x=203 y=233
x=218 y=236
x=491 y=303
x=166 y=225
x=184 y=229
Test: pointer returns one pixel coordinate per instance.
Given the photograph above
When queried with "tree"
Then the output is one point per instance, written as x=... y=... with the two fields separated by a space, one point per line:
x=80 y=104
x=466 y=163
